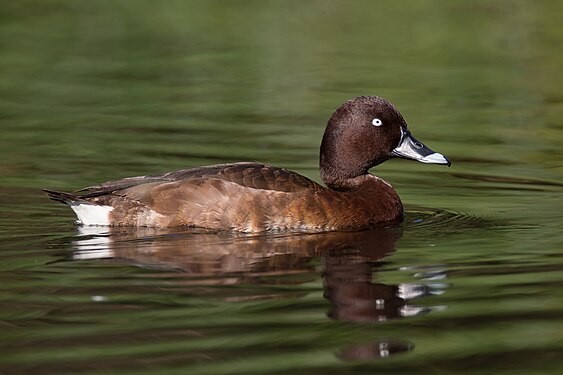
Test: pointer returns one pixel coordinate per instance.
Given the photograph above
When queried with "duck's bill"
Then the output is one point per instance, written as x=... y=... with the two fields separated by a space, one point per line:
x=410 y=148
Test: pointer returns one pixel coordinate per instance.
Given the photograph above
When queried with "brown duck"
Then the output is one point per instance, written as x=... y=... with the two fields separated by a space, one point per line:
x=254 y=197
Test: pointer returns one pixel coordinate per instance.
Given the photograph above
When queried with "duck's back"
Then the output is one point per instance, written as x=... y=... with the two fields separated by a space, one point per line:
x=249 y=175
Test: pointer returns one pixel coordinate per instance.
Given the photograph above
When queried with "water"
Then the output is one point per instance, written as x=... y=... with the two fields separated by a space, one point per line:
x=471 y=283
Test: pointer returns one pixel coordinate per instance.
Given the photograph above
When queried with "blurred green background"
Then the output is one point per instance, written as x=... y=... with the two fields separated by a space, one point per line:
x=98 y=90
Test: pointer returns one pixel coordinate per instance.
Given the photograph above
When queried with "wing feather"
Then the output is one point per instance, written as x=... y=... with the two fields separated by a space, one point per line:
x=250 y=175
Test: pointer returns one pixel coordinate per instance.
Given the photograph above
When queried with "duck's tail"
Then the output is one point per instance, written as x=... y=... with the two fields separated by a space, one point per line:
x=65 y=198
x=88 y=213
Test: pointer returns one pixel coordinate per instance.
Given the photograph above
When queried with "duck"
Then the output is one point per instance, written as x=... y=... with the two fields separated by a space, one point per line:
x=252 y=197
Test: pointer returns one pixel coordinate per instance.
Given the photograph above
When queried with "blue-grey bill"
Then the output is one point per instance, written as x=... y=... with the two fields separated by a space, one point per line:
x=410 y=148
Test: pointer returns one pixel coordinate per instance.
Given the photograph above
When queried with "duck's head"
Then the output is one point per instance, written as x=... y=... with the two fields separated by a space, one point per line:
x=364 y=132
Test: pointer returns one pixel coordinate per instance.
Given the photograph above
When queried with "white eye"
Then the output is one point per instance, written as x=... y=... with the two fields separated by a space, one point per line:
x=376 y=122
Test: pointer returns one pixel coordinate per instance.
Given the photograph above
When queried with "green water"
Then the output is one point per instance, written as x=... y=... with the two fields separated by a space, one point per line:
x=471 y=283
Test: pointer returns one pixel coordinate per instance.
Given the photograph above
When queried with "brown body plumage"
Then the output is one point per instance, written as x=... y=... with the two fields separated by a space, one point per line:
x=246 y=197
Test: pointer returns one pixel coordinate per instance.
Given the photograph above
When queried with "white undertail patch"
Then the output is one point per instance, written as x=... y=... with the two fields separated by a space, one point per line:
x=91 y=214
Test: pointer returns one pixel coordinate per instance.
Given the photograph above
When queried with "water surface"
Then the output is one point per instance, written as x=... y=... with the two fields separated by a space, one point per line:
x=470 y=283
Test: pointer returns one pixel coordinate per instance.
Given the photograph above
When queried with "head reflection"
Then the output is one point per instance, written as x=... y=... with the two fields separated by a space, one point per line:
x=349 y=275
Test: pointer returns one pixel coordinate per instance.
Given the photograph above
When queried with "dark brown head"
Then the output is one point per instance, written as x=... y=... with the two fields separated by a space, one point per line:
x=364 y=132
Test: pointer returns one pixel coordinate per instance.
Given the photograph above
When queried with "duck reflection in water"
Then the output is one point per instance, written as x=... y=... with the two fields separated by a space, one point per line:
x=350 y=261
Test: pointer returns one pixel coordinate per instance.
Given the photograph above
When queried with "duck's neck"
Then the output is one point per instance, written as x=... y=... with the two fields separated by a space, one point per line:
x=342 y=166
x=343 y=183
x=337 y=182
x=341 y=173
